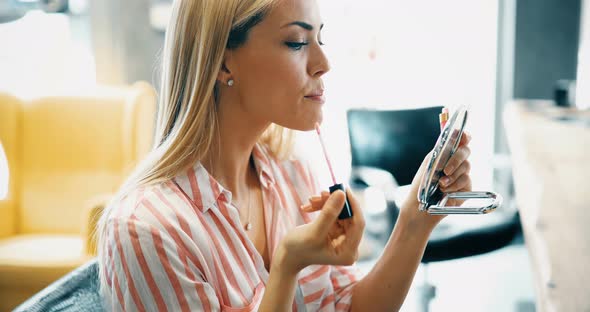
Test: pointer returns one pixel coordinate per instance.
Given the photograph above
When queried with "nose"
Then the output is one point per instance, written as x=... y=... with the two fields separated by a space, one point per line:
x=318 y=63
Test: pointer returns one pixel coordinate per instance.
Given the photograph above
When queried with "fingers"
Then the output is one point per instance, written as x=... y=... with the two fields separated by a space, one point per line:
x=357 y=214
x=458 y=167
x=316 y=202
x=353 y=228
x=356 y=224
x=465 y=138
x=343 y=235
x=458 y=158
x=462 y=183
x=463 y=169
x=330 y=211
x=337 y=230
x=461 y=155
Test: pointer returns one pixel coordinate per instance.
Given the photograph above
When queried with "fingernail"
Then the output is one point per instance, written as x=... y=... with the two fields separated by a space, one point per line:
x=445 y=181
x=449 y=169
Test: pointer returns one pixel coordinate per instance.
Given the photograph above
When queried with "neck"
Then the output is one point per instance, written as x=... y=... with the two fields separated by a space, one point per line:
x=228 y=159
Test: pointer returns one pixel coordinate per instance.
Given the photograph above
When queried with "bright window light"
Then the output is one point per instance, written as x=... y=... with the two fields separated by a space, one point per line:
x=394 y=54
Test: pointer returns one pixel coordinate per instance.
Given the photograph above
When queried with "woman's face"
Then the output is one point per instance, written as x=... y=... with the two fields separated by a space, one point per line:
x=277 y=72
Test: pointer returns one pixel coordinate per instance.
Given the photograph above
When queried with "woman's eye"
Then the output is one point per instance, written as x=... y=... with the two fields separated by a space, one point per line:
x=296 y=45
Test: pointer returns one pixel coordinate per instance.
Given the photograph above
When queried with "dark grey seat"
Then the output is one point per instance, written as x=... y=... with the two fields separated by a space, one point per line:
x=75 y=292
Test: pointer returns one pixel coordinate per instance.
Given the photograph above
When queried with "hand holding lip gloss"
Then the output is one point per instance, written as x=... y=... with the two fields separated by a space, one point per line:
x=346 y=210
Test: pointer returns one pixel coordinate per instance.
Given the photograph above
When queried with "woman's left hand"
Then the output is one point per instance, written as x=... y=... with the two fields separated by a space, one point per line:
x=456 y=179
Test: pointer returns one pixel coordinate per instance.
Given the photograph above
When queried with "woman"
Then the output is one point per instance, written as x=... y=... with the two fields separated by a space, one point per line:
x=217 y=216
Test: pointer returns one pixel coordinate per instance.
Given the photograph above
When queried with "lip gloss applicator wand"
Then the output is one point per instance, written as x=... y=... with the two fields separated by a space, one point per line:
x=346 y=211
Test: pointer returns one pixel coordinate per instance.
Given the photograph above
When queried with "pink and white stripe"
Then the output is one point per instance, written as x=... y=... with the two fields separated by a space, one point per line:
x=179 y=245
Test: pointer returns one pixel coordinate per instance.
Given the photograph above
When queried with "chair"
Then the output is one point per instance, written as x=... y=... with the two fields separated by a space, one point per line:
x=395 y=142
x=387 y=148
x=65 y=155
x=78 y=291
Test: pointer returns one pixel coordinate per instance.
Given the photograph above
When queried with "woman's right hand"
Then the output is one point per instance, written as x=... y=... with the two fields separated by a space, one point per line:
x=326 y=240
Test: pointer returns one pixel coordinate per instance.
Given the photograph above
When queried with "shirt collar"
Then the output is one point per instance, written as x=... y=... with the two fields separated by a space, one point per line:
x=200 y=187
x=263 y=161
x=204 y=191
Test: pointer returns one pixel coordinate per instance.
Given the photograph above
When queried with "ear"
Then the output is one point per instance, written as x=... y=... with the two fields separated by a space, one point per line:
x=225 y=72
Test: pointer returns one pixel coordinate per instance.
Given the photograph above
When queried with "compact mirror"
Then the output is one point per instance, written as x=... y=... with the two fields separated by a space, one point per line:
x=431 y=198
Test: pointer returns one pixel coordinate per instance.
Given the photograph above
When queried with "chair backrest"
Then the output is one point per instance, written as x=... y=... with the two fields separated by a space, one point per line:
x=9 y=115
x=71 y=148
x=393 y=140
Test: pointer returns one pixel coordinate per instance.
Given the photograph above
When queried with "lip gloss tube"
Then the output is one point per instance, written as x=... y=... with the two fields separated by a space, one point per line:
x=346 y=210
x=443 y=117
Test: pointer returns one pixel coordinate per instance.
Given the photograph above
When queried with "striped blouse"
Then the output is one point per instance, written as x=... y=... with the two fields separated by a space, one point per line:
x=179 y=246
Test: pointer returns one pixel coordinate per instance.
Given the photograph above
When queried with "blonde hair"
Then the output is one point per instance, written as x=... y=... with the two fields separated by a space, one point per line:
x=198 y=34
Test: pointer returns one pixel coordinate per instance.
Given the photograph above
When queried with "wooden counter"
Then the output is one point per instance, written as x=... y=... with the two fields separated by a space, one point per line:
x=550 y=151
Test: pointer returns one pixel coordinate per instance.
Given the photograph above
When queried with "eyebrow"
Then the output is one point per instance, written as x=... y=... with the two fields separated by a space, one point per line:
x=303 y=25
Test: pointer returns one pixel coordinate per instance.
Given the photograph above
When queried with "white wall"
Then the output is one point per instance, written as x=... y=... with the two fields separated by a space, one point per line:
x=427 y=52
x=45 y=54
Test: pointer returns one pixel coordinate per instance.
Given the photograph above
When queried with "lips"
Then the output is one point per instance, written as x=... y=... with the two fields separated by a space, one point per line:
x=316 y=95
x=319 y=93
x=318 y=98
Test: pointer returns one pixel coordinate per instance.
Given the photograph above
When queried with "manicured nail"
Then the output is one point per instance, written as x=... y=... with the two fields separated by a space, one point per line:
x=449 y=169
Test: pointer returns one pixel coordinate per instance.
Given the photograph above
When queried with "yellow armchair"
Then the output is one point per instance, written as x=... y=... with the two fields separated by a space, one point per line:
x=64 y=153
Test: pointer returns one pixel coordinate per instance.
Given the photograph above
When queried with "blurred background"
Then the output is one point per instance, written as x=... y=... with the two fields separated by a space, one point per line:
x=77 y=98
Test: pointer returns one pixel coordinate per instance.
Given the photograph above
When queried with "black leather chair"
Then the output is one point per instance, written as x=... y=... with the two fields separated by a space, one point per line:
x=78 y=291
x=390 y=145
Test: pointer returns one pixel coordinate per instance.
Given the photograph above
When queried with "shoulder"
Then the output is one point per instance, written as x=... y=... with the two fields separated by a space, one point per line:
x=162 y=222
x=156 y=208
